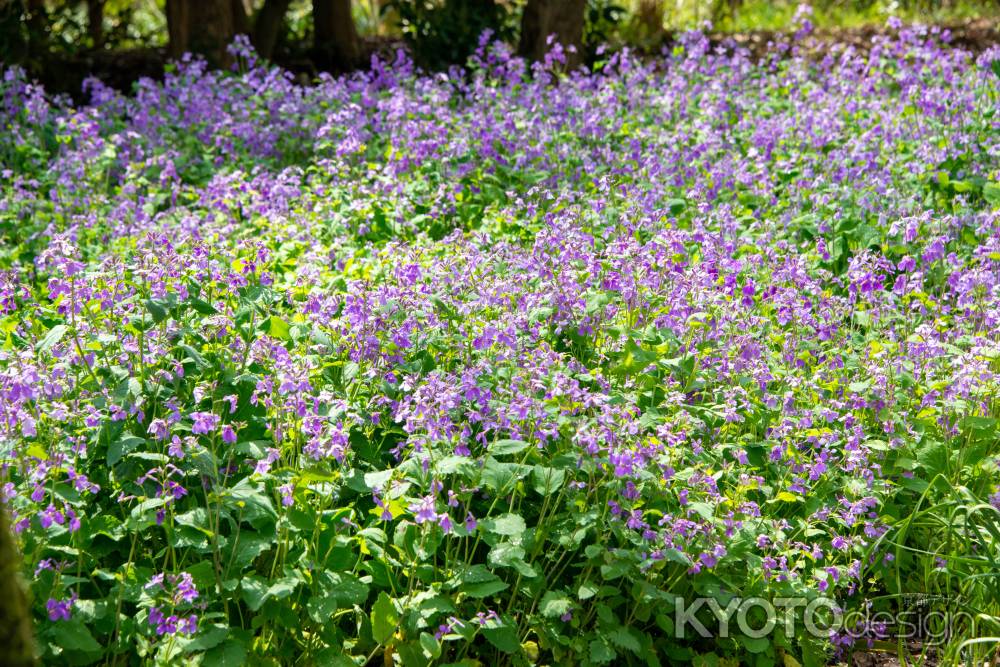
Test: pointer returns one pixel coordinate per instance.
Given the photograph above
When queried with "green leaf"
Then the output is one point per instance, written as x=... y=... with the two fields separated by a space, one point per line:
x=484 y=589
x=507 y=446
x=194 y=356
x=248 y=547
x=601 y=653
x=349 y=589
x=755 y=644
x=36 y=451
x=231 y=654
x=546 y=481
x=665 y=623
x=676 y=206
x=615 y=569
x=502 y=635
x=200 y=306
x=158 y=309
x=75 y=637
x=245 y=495
x=125 y=444
x=282 y=588
x=430 y=645
x=501 y=477
x=505 y=524
x=207 y=637
x=53 y=336
x=555 y=604
x=634 y=359
x=378 y=479
x=510 y=555
x=625 y=638
x=278 y=328
x=384 y=618
x=255 y=591
x=450 y=465
x=860 y=387
x=321 y=608
x=478 y=582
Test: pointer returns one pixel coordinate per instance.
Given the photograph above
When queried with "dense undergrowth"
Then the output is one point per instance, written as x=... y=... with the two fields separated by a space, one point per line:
x=484 y=366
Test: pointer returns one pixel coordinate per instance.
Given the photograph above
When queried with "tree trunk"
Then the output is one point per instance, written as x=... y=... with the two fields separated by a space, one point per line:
x=95 y=22
x=17 y=647
x=337 y=44
x=241 y=17
x=562 y=18
x=650 y=17
x=201 y=26
x=267 y=26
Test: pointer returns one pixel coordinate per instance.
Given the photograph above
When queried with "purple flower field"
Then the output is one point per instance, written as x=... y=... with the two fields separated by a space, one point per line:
x=508 y=364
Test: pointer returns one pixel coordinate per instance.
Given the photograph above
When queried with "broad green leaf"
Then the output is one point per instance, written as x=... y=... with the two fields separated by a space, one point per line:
x=233 y=653
x=125 y=444
x=321 y=608
x=506 y=447
x=278 y=328
x=601 y=653
x=75 y=637
x=505 y=524
x=554 y=604
x=502 y=634
x=384 y=618
x=625 y=638
x=545 y=480
x=54 y=335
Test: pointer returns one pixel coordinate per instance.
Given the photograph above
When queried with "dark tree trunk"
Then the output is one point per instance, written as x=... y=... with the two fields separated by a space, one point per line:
x=267 y=26
x=650 y=16
x=17 y=647
x=201 y=26
x=16 y=43
x=562 y=18
x=38 y=22
x=241 y=17
x=95 y=22
x=337 y=44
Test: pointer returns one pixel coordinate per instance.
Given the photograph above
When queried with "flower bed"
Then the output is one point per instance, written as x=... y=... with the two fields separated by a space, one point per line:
x=498 y=367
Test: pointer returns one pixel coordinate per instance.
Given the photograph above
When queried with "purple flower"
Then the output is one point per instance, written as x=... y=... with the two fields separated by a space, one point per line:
x=204 y=422
x=60 y=610
x=185 y=589
x=159 y=429
x=424 y=510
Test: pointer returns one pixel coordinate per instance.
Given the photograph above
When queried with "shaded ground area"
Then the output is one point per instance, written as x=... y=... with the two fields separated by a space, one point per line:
x=975 y=36
x=121 y=69
x=887 y=657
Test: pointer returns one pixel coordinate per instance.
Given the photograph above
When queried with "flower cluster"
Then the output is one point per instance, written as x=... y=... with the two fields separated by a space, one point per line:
x=170 y=593
x=498 y=363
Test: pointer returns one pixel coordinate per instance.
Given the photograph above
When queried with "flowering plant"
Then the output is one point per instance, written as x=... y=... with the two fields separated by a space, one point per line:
x=498 y=365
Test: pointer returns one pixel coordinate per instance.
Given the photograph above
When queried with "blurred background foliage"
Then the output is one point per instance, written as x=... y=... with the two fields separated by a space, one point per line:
x=56 y=39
